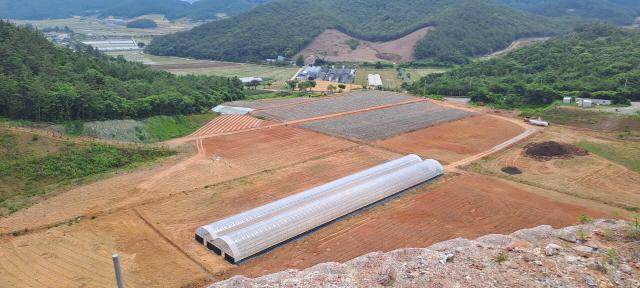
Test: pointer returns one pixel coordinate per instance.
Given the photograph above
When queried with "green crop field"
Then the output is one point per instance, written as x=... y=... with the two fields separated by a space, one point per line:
x=626 y=154
x=278 y=74
x=417 y=73
x=100 y=27
x=139 y=56
x=393 y=78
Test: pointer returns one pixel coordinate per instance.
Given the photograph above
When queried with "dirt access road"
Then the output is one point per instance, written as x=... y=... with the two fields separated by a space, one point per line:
x=148 y=216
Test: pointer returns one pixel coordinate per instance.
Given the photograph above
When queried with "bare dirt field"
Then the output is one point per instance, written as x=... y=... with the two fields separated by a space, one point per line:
x=464 y=206
x=588 y=177
x=333 y=105
x=80 y=256
x=515 y=45
x=178 y=217
x=271 y=103
x=149 y=215
x=332 y=45
x=230 y=123
x=455 y=140
x=220 y=159
x=383 y=123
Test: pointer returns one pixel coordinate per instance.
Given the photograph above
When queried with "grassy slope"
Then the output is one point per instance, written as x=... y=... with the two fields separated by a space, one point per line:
x=626 y=154
x=162 y=128
x=33 y=166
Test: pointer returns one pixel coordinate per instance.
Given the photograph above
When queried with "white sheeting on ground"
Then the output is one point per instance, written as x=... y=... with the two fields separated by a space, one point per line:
x=229 y=110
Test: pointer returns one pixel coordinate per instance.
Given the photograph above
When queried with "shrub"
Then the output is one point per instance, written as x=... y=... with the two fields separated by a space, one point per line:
x=584 y=219
x=502 y=257
x=634 y=229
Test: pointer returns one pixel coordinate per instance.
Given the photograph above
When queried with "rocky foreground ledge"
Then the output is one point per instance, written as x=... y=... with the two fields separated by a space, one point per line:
x=600 y=254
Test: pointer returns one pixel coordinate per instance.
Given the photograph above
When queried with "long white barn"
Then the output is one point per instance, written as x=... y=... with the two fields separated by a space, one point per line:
x=247 y=234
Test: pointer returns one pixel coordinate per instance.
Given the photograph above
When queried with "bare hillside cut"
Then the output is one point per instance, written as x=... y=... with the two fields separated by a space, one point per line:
x=333 y=45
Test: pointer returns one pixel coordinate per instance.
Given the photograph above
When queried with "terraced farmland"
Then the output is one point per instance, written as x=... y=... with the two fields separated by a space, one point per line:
x=333 y=105
x=384 y=123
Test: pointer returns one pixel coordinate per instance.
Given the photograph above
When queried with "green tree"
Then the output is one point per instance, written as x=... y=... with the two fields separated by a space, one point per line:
x=300 y=61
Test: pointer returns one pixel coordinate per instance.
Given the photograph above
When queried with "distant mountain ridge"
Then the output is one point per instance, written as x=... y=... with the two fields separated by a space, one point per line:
x=172 y=9
x=614 y=11
x=463 y=28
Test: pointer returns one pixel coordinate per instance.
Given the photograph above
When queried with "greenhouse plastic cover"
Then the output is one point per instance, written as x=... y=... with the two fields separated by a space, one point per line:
x=249 y=233
x=230 y=110
x=217 y=229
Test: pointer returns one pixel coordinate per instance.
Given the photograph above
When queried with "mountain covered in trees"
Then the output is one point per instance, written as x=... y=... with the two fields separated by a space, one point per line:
x=615 y=11
x=595 y=61
x=463 y=28
x=172 y=9
x=41 y=82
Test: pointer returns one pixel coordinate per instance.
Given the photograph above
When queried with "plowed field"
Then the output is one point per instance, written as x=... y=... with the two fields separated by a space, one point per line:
x=455 y=140
x=333 y=105
x=221 y=158
x=178 y=217
x=588 y=177
x=387 y=122
x=466 y=206
x=229 y=123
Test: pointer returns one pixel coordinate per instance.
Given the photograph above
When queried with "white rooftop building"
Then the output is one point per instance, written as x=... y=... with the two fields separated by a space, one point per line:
x=246 y=80
x=375 y=81
x=113 y=45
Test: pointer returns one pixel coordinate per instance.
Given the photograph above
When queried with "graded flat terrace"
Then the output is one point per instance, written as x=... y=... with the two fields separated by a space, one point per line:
x=148 y=216
x=387 y=122
x=333 y=105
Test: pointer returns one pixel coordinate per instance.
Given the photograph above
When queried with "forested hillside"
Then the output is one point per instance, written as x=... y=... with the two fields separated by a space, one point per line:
x=172 y=9
x=464 y=28
x=39 y=81
x=614 y=11
x=597 y=60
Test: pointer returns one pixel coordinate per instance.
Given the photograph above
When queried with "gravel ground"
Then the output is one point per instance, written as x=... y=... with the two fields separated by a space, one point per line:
x=354 y=101
x=384 y=123
x=537 y=257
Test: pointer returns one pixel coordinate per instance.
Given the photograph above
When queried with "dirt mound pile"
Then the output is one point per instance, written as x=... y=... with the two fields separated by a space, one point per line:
x=546 y=151
x=511 y=170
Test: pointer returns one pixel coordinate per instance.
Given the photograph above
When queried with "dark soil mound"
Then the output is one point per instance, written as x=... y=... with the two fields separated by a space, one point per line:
x=511 y=170
x=546 y=151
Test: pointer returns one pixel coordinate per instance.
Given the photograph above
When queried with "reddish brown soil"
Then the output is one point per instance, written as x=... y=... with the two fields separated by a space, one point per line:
x=80 y=256
x=331 y=45
x=230 y=123
x=456 y=140
x=220 y=159
x=588 y=177
x=178 y=217
x=465 y=206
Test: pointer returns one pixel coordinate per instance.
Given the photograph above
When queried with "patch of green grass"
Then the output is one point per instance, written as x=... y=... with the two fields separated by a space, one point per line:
x=282 y=94
x=161 y=128
x=625 y=154
x=31 y=174
x=353 y=43
x=279 y=75
x=502 y=257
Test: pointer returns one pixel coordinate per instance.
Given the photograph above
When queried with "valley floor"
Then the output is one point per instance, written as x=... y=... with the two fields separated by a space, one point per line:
x=149 y=216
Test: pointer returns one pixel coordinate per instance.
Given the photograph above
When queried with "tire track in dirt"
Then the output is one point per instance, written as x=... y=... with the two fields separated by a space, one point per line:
x=202 y=267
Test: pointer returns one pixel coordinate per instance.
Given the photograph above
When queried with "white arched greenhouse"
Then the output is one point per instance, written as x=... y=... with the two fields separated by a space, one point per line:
x=247 y=234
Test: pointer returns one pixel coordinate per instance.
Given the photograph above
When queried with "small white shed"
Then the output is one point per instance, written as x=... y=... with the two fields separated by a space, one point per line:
x=567 y=100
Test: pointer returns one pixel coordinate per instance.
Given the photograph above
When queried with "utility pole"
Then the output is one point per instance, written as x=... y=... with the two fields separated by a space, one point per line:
x=116 y=266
